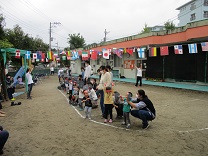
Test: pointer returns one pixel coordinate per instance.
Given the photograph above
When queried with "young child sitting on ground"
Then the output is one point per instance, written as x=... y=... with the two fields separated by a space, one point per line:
x=126 y=109
x=94 y=84
x=118 y=104
x=92 y=95
x=88 y=105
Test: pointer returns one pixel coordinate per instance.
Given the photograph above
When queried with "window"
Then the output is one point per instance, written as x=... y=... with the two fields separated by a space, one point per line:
x=205 y=2
x=193 y=17
x=193 y=6
x=205 y=14
x=117 y=61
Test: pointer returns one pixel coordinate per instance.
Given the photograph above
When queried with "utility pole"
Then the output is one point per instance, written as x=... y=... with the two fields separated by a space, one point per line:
x=50 y=30
x=105 y=32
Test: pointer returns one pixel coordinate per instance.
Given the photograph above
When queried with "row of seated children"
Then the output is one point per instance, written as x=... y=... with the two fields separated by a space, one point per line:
x=77 y=90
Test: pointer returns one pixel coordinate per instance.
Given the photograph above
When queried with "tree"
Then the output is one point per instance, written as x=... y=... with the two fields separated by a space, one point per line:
x=76 y=41
x=3 y=44
x=146 y=29
x=169 y=25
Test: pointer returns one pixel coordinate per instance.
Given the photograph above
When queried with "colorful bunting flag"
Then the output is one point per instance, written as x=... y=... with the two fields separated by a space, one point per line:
x=100 y=53
x=164 y=51
x=34 y=55
x=63 y=58
x=27 y=55
x=204 y=46
x=192 y=48
x=68 y=57
x=129 y=50
x=94 y=55
x=49 y=55
x=17 y=55
x=106 y=53
x=39 y=55
x=178 y=49
x=119 y=52
x=85 y=55
x=43 y=57
x=141 y=52
x=68 y=53
x=152 y=52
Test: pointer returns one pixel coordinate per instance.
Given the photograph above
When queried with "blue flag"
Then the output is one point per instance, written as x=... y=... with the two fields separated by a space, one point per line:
x=27 y=55
x=192 y=48
x=39 y=55
x=141 y=53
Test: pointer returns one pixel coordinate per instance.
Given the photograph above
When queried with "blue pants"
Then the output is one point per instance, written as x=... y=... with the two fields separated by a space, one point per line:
x=101 y=93
x=10 y=92
x=144 y=115
x=29 y=89
x=3 y=137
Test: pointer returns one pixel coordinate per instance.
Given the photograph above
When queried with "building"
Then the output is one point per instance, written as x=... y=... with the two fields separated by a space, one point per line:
x=192 y=11
x=157 y=28
x=186 y=67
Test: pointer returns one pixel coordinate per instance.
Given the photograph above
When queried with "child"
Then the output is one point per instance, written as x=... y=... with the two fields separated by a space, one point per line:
x=88 y=105
x=81 y=95
x=118 y=104
x=94 y=84
x=126 y=110
x=92 y=95
x=108 y=101
x=69 y=86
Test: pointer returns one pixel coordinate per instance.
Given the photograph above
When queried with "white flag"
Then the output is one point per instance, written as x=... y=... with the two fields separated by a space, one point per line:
x=34 y=55
x=106 y=53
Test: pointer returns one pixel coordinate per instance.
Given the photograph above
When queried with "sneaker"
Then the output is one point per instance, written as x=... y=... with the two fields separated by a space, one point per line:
x=13 y=99
x=89 y=118
x=123 y=123
x=110 y=120
x=81 y=109
x=13 y=104
x=128 y=126
x=145 y=126
x=105 y=121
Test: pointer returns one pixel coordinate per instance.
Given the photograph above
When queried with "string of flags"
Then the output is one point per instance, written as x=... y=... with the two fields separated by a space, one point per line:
x=105 y=53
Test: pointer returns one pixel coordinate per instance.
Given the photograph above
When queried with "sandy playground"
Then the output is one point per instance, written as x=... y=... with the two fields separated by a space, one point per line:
x=47 y=125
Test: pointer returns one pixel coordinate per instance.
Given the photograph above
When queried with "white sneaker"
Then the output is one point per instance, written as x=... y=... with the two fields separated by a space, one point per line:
x=128 y=126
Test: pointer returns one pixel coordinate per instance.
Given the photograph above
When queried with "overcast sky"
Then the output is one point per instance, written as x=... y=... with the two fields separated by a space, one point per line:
x=88 y=17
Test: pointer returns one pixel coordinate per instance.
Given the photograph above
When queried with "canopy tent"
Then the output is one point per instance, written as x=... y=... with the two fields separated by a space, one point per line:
x=12 y=52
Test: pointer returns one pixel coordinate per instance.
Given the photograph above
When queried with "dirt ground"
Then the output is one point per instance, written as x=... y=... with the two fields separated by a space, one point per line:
x=47 y=125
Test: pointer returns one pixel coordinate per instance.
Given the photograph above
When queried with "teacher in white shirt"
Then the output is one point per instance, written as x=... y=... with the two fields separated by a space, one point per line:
x=87 y=73
x=29 y=82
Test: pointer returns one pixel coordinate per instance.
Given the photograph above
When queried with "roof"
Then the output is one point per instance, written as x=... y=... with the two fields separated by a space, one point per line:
x=185 y=4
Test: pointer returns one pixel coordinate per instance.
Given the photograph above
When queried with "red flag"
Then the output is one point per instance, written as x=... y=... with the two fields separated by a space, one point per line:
x=94 y=55
x=164 y=51
x=43 y=57
x=129 y=50
x=17 y=54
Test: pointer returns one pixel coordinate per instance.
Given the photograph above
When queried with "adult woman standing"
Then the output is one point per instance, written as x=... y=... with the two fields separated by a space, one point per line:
x=29 y=82
x=105 y=81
